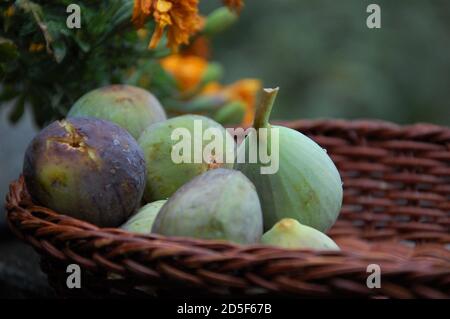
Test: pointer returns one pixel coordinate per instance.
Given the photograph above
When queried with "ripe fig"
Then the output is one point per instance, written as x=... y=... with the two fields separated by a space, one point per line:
x=165 y=174
x=130 y=107
x=142 y=221
x=87 y=168
x=219 y=204
x=306 y=186
x=289 y=233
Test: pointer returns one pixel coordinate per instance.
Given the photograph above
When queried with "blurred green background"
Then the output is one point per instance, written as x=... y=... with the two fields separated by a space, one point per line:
x=329 y=64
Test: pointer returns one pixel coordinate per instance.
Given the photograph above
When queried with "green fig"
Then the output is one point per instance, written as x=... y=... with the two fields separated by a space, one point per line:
x=87 y=168
x=142 y=221
x=304 y=185
x=161 y=144
x=219 y=204
x=289 y=233
x=130 y=107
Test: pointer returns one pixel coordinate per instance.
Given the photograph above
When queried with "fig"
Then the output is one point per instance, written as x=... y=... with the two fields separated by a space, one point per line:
x=130 y=107
x=142 y=221
x=289 y=233
x=303 y=184
x=219 y=204
x=88 y=168
x=160 y=143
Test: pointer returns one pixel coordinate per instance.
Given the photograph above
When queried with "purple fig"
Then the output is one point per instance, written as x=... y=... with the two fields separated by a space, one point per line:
x=87 y=168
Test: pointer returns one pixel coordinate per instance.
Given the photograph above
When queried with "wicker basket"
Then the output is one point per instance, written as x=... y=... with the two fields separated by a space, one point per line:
x=396 y=214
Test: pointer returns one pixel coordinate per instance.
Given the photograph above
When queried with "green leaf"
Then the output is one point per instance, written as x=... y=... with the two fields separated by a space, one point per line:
x=58 y=45
x=159 y=81
x=35 y=11
x=84 y=46
x=30 y=7
x=231 y=113
x=59 y=50
x=8 y=50
x=7 y=93
x=18 y=110
x=41 y=113
x=123 y=14
x=213 y=72
x=119 y=18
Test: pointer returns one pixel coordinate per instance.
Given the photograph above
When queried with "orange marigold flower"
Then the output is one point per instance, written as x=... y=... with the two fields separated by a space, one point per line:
x=235 y=5
x=187 y=70
x=246 y=91
x=181 y=18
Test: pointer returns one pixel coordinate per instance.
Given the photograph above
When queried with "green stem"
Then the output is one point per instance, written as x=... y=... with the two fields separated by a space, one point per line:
x=264 y=108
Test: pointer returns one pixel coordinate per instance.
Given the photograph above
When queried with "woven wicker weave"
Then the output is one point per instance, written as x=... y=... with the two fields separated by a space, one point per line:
x=396 y=214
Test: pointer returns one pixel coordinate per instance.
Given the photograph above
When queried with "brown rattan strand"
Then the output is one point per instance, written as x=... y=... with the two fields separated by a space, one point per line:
x=396 y=214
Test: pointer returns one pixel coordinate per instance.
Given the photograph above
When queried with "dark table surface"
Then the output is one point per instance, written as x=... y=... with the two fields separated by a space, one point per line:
x=20 y=274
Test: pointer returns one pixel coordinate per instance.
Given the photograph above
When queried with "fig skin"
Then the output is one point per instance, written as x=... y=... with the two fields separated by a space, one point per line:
x=86 y=168
x=143 y=220
x=289 y=233
x=219 y=204
x=164 y=176
x=307 y=185
x=130 y=107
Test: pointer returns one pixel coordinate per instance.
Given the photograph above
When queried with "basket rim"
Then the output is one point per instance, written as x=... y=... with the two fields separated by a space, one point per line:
x=17 y=198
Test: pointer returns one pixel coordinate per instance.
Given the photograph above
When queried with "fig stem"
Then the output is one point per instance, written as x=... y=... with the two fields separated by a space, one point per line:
x=264 y=107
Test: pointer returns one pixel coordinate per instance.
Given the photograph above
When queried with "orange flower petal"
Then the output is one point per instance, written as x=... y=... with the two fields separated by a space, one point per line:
x=156 y=37
x=163 y=6
x=246 y=91
x=180 y=16
x=141 y=12
x=187 y=70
